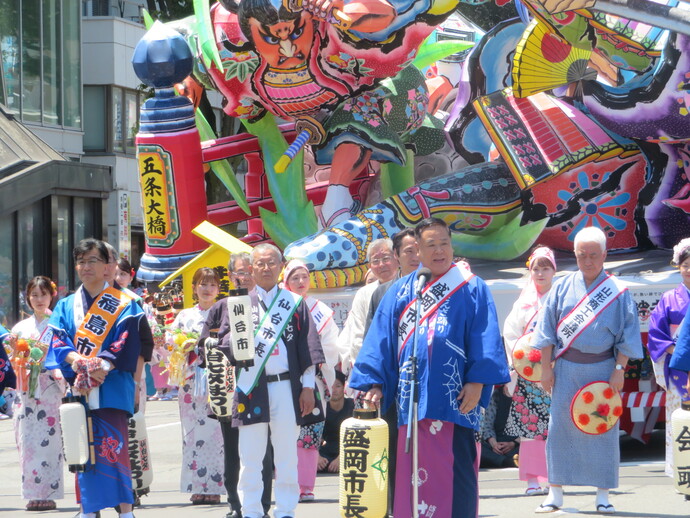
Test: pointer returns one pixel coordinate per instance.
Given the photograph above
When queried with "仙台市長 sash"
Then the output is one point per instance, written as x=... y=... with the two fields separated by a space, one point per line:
x=586 y=310
x=432 y=297
x=266 y=337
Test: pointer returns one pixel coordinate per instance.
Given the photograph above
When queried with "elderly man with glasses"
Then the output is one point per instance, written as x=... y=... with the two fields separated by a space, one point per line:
x=384 y=266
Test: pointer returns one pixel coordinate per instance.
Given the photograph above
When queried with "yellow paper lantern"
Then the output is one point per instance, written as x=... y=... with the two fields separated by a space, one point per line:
x=364 y=465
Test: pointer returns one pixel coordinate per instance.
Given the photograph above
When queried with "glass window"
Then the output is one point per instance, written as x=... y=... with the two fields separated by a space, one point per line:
x=7 y=310
x=71 y=64
x=31 y=60
x=132 y=120
x=10 y=54
x=85 y=224
x=33 y=241
x=118 y=122
x=52 y=84
x=64 y=246
x=94 y=118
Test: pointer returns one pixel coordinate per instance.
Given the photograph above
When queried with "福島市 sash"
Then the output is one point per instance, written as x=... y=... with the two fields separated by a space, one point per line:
x=266 y=337
x=587 y=309
x=432 y=297
x=321 y=314
x=99 y=320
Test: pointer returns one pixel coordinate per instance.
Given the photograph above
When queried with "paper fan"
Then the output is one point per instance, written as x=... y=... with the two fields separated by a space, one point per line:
x=527 y=359
x=543 y=61
x=596 y=408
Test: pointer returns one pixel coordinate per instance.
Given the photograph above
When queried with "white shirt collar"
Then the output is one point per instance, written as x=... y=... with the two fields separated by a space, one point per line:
x=266 y=296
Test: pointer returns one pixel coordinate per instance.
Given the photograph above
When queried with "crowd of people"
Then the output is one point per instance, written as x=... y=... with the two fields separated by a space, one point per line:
x=422 y=339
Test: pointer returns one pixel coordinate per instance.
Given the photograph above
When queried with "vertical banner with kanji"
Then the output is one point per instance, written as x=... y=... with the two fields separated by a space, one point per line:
x=161 y=221
x=124 y=241
x=173 y=195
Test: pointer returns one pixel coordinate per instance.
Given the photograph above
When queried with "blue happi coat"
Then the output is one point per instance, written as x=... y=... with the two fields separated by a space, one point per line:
x=121 y=347
x=465 y=346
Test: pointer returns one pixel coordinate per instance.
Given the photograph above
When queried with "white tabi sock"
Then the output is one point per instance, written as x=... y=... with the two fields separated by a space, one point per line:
x=87 y=515
x=555 y=497
x=127 y=515
x=602 y=497
x=532 y=483
x=336 y=205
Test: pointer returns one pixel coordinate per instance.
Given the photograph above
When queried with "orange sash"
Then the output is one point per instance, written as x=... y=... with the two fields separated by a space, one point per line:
x=99 y=320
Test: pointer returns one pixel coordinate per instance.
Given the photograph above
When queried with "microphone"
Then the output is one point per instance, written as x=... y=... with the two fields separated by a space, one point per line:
x=423 y=276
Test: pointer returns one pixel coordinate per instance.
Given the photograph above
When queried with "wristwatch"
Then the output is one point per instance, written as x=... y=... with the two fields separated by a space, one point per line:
x=620 y=367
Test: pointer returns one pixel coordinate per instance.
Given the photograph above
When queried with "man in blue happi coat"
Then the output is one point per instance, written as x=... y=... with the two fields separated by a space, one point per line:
x=459 y=356
x=93 y=338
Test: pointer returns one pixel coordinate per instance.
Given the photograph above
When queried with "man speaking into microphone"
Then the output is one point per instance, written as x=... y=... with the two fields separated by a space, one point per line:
x=459 y=358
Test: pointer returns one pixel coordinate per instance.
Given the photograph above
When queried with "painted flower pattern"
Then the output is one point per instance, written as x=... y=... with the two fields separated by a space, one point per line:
x=606 y=210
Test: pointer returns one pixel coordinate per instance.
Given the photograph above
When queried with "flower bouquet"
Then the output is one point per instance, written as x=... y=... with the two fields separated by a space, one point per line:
x=26 y=356
x=181 y=345
x=527 y=359
x=596 y=408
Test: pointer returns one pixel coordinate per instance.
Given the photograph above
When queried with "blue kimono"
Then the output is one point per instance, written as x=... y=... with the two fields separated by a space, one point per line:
x=7 y=377
x=573 y=457
x=466 y=347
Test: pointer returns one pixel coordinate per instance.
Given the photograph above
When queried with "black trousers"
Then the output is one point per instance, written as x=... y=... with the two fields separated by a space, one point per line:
x=231 y=438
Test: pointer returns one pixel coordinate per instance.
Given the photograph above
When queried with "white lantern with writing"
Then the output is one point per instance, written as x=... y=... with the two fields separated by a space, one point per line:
x=364 y=465
x=241 y=327
x=680 y=437
x=77 y=432
x=139 y=454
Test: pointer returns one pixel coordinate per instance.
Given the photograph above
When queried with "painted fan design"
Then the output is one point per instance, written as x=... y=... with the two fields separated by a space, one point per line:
x=544 y=61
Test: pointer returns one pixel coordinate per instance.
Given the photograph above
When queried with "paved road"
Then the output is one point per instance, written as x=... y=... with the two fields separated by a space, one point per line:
x=644 y=491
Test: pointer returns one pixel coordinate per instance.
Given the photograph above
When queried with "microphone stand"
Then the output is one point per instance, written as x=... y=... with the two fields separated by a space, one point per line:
x=412 y=428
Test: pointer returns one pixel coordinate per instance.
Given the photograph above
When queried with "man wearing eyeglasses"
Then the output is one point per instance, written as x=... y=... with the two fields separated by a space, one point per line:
x=384 y=266
x=240 y=271
x=91 y=340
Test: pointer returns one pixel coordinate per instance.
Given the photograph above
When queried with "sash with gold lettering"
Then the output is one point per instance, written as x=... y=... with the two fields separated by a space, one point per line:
x=266 y=337
x=586 y=311
x=100 y=319
x=432 y=297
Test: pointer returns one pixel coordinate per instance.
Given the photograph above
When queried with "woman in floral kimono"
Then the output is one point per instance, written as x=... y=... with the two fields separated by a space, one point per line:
x=36 y=410
x=529 y=413
x=202 y=454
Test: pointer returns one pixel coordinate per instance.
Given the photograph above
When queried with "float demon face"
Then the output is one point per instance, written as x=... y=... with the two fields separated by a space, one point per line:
x=285 y=44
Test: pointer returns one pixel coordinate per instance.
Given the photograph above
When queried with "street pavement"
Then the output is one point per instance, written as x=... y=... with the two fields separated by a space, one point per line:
x=644 y=491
